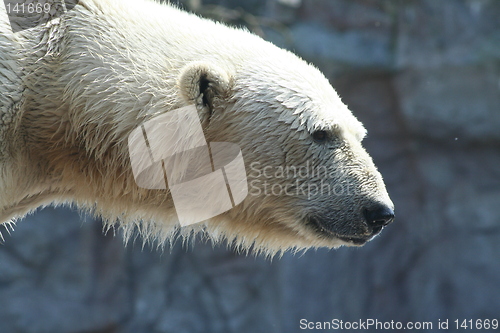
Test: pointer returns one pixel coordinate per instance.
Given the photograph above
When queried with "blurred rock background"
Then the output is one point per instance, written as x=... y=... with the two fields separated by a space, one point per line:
x=424 y=77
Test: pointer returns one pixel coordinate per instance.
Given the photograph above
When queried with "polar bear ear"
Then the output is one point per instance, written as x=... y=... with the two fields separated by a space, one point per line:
x=201 y=83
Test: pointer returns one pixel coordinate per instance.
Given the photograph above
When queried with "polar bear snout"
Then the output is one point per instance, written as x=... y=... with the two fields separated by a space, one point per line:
x=350 y=229
x=379 y=215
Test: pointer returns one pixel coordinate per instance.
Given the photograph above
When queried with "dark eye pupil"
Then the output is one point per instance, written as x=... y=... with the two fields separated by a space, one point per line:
x=319 y=136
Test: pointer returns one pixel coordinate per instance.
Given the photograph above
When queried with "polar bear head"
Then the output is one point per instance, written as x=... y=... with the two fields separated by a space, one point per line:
x=311 y=183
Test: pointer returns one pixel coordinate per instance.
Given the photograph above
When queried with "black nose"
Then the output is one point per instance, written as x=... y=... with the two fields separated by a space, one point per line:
x=379 y=215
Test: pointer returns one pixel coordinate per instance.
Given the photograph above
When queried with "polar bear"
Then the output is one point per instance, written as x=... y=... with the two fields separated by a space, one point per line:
x=75 y=86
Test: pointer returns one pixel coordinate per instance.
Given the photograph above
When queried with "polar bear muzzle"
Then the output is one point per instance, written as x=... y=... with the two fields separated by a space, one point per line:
x=373 y=220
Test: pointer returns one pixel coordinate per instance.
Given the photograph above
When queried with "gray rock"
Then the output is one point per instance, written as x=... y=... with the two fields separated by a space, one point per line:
x=452 y=103
x=447 y=33
x=360 y=49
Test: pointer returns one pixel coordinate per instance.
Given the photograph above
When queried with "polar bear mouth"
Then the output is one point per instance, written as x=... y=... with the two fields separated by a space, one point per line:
x=361 y=241
x=319 y=227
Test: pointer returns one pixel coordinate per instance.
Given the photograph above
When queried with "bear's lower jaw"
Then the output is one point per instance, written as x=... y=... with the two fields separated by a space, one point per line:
x=360 y=241
x=356 y=240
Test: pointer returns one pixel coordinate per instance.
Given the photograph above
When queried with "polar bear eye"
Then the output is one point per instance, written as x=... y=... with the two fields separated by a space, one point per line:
x=320 y=136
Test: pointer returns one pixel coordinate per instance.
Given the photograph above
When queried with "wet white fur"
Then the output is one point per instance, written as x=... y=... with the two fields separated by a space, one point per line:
x=73 y=90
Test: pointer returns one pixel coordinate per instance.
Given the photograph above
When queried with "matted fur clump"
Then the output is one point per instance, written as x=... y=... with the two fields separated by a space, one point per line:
x=74 y=88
